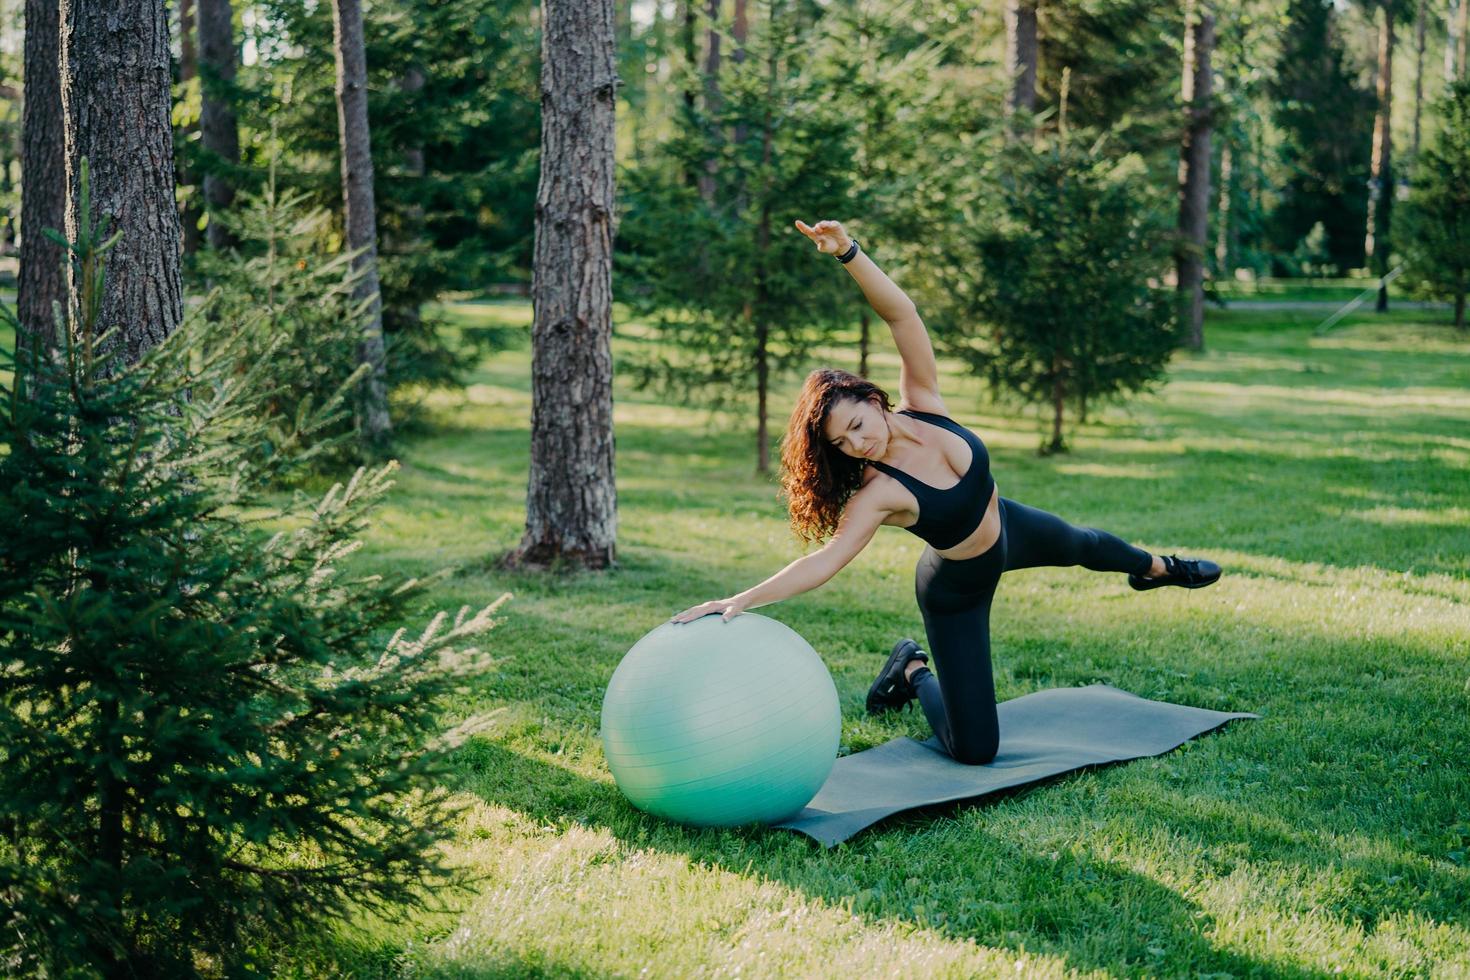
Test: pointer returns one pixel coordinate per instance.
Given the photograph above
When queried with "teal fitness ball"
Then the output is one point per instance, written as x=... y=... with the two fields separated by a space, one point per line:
x=717 y=724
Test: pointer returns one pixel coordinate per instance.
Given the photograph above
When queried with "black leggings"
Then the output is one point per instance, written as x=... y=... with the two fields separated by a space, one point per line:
x=954 y=597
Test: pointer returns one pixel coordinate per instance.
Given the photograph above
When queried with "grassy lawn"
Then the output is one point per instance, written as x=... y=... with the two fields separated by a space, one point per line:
x=1319 y=289
x=1329 y=476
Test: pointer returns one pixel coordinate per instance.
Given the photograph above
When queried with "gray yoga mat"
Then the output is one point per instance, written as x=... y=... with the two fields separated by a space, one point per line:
x=1041 y=734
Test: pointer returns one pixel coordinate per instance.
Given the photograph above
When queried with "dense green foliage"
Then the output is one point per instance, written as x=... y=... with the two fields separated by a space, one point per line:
x=297 y=309
x=209 y=733
x=454 y=113
x=1319 y=106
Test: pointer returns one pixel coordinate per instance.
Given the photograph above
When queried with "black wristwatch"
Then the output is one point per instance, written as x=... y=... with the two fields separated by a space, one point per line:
x=853 y=249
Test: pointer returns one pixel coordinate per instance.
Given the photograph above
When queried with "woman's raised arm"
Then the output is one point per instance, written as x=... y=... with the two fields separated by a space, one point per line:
x=920 y=373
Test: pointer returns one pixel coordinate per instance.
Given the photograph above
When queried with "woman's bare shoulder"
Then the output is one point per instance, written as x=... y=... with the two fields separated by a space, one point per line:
x=889 y=495
x=922 y=400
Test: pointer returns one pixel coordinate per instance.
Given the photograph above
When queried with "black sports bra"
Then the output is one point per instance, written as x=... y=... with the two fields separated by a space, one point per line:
x=947 y=517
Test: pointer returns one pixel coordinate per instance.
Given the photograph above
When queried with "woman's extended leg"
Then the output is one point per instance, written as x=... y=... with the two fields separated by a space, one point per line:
x=1035 y=537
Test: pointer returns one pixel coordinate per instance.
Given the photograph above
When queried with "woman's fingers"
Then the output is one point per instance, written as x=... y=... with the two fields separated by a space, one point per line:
x=724 y=607
x=694 y=612
x=823 y=233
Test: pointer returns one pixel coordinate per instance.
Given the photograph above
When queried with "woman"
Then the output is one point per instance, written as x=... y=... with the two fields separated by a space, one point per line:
x=849 y=464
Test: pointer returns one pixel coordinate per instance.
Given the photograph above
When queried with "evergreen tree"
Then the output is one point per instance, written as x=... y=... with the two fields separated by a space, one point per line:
x=1064 y=310
x=734 y=292
x=296 y=303
x=1436 y=218
x=208 y=734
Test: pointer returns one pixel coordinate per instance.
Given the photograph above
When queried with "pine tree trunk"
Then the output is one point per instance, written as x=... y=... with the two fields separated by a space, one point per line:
x=763 y=264
x=1224 y=234
x=115 y=65
x=111 y=830
x=1418 y=73
x=712 y=102
x=361 y=212
x=1460 y=310
x=1450 y=13
x=1194 y=168
x=1020 y=19
x=42 y=279
x=218 y=131
x=762 y=381
x=1058 y=405
x=691 y=57
x=739 y=30
x=8 y=231
x=188 y=71
x=571 y=502
x=1462 y=27
x=1380 y=202
x=864 y=342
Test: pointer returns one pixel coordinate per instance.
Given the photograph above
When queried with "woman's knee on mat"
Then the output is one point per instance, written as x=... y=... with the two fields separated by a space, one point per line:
x=974 y=748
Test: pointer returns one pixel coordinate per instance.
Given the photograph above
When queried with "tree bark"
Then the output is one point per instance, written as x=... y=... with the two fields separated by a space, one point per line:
x=739 y=30
x=691 y=57
x=218 y=130
x=1020 y=19
x=115 y=65
x=712 y=101
x=1224 y=234
x=42 y=279
x=189 y=71
x=1418 y=73
x=1462 y=28
x=762 y=268
x=1380 y=202
x=1058 y=406
x=361 y=216
x=1194 y=167
x=571 y=500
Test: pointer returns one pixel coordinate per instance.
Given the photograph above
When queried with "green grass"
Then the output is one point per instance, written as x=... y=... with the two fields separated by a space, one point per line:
x=1318 y=289
x=1329 y=476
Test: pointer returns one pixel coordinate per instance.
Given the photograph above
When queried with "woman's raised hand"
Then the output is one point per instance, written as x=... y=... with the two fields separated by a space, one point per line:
x=828 y=235
x=728 y=608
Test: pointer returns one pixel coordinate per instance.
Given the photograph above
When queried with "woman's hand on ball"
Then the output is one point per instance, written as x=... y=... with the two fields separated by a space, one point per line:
x=828 y=235
x=728 y=608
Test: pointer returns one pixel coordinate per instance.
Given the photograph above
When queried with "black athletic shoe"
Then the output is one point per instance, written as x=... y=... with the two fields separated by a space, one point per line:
x=892 y=690
x=1184 y=572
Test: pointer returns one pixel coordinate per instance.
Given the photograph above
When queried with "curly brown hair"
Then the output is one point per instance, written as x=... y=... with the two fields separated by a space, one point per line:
x=817 y=478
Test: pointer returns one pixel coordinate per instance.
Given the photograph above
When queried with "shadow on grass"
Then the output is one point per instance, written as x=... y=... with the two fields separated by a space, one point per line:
x=1053 y=906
